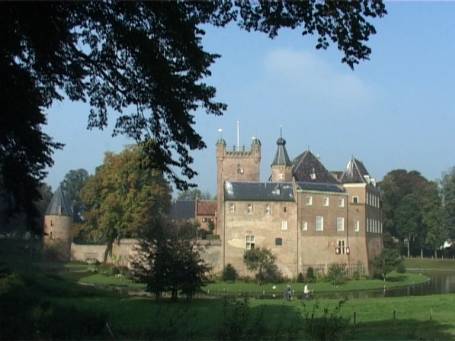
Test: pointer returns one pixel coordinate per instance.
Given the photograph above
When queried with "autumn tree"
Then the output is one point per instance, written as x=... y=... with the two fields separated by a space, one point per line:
x=122 y=197
x=143 y=60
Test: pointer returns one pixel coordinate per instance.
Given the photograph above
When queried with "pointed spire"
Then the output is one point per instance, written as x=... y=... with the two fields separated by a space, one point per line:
x=281 y=155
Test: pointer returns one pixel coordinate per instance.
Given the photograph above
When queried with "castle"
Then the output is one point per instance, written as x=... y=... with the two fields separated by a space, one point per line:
x=306 y=215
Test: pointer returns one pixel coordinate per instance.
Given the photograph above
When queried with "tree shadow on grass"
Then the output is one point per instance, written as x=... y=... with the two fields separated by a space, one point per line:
x=403 y=329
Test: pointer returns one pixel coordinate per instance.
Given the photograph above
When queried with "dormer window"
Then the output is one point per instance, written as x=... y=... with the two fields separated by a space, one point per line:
x=313 y=174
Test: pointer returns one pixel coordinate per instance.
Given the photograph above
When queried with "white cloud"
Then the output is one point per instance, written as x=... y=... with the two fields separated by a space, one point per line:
x=310 y=77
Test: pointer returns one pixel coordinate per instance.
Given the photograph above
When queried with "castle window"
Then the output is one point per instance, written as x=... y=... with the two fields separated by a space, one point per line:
x=341 y=247
x=305 y=226
x=281 y=176
x=51 y=235
x=340 y=224
x=355 y=199
x=250 y=242
x=284 y=209
x=239 y=169
x=357 y=226
x=326 y=201
x=232 y=208
x=319 y=223
x=278 y=241
x=249 y=209
x=284 y=225
x=204 y=220
x=341 y=202
x=52 y=223
x=309 y=200
x=268 y=209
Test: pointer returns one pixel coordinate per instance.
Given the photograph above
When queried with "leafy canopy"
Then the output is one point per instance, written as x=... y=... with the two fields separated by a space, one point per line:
x=143 y=60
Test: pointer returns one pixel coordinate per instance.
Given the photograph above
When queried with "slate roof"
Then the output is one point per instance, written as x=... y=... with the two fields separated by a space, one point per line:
x=258 y=191
x=355 y=172
x=321 y=187
x=281 y=155
x=58 y=204
x=205 y=207
x=182 y=209
x=308 y=168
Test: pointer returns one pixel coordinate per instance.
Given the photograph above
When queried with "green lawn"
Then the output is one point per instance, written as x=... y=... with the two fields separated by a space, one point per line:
x=425 y=317
x=394 y=280
x=430 y=264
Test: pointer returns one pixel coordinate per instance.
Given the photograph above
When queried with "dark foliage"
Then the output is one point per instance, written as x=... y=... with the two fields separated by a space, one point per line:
x=310 y=277
x=337 y=273
x=230 y=273
x=143 y=60
x=262 y=261
x=72 y=186
x=386 y=262
x=167 y=263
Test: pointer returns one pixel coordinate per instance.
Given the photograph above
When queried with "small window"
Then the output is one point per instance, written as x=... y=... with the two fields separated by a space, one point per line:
x=357 y=226
x=249 y=209
x=239 y=169
x=250 y=242
x=284 y=209
x=305 y=226
x=341 y=247
x=313 y=174
x=268 y=209
x=355 y=199
x=204 y=220
x=278 y=241
x=319 y=223
x=51 y=236
x=341 y=202
x=340 y=224
x=309 y=200
x=52 y=223
x=281 y=176
x=232 y=208
x=368 y=225
x=284 y=225
x=380 y=227
x=326 y=201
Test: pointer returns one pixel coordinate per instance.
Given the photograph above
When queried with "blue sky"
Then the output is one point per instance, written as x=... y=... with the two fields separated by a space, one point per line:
x=396 y=110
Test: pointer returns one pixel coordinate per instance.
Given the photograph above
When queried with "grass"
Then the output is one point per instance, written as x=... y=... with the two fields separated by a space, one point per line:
x=430 y=264
x=394 y=280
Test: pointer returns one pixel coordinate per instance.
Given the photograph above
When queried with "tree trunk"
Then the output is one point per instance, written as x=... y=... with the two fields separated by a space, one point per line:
x=421 y=253
x=409 y=244
x=174 y=294
x=435 y=253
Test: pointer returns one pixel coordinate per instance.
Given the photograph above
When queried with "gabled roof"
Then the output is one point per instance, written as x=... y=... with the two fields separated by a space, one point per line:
x=182 y=209
x=205 y=207
x=355 y=172
x=308 y=168
x=58 y=205
x=258 y=191
x=281 y=155
x=320 y=187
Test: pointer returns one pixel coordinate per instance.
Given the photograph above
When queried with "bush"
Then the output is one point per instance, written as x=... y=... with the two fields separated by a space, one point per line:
x=229 y=273
x=262 y=261
x=310 y=277
x=401 y=268
x=337 y=273
x=300 y=278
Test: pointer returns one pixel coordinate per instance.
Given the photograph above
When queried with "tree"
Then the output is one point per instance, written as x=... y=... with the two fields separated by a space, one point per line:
x=72 y=186
x=387 y=261
x=262 y=261
x=144 y=58
x=448 y=201
x=122 y=197
x=193 y=194
x=167 y=263
x=408 y=219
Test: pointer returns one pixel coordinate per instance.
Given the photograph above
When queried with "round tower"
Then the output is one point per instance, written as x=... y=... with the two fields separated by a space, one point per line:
x=58 y=221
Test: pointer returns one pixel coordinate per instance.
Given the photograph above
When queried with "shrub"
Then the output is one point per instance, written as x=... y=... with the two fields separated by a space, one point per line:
x=310 y=277
x=401 y=268
x=229 y=273
x=337 y=273
x=262 y=261
x=300 y=278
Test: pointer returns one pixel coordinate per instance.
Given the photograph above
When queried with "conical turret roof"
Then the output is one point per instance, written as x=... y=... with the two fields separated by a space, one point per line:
x=59 y=205
x=281 y=155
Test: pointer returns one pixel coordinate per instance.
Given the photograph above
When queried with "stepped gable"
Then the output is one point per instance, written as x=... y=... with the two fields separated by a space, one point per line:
x=355 y=172
x=258 y=191
x=58 y=204
x=281 y=155
x=183 y=209
x=308 y=168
